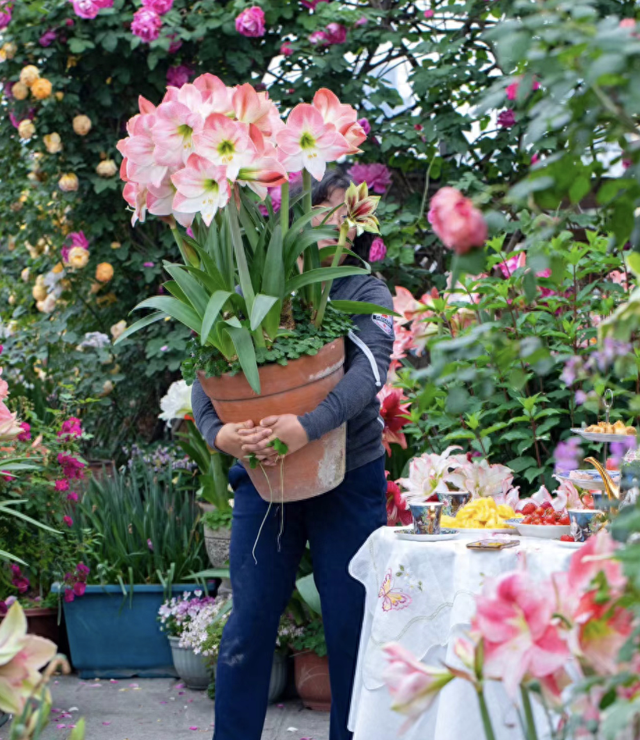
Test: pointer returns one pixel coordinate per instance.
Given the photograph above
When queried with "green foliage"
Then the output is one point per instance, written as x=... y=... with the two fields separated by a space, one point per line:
x=312 y=639
x=218 y=519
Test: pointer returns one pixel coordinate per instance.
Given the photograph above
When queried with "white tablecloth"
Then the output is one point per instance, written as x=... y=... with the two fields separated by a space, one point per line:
x=432 y=601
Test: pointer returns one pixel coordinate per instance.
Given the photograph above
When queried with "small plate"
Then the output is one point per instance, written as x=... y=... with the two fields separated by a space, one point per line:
x=489 y=531
x=543 y=531
x=593 y=484
x=598 y=437
x=570 y=545
x=445 y=534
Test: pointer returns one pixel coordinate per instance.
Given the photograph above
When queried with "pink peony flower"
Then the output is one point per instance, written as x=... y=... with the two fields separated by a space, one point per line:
x=515 y=618
x=594 y=557
x=61 y=485
x=67 y=520
x=336 y=33
x=179 y=76
x=378 y=250
x=458 y=224
x=429 y=13
x=146 y=24
x=377 y=176
x=507 y=118
x=413 y=685
x=158 y=6
x=26 y=432
x=251 y=22
x=318 y=38
x=285 y=49
x=48 y=37
x=365 y=125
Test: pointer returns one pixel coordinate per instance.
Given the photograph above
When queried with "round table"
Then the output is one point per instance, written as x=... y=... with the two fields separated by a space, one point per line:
x=421 y=594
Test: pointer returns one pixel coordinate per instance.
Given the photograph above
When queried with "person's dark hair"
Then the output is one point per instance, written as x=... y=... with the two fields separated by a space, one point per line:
x=336 y=179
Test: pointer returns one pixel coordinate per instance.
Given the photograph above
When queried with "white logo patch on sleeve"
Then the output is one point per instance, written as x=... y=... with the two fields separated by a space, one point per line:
x=384 y=322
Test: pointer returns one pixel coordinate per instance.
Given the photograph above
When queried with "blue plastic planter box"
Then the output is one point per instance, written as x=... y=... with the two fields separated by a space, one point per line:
x=113 y=636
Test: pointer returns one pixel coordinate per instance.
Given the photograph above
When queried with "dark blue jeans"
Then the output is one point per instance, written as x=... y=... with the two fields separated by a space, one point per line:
x=336 y=525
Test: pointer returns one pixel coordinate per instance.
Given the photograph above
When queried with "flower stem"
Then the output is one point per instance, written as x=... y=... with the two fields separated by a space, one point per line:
x=528 y=714
x=486 y=719
x=306 y=186
x=342 y=241
x=284 y=209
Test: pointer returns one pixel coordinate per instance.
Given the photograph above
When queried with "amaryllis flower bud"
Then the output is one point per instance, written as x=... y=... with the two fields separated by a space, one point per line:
x=104 y=272
x=107 y=168
x=361 y=208
x=26 y=129
x=29 y=75
x=459 y=225
x=251 y=22
x=20 y=91
x=82 y=125
x=68 y=183
x=41 y=89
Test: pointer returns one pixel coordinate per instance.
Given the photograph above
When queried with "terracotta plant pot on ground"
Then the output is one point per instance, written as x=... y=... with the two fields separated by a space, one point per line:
x=295 y=388
x=312 y=681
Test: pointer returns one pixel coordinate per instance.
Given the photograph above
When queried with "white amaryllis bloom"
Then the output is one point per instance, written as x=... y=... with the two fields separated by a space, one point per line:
x=429 y=474
x=176 y=404
x=482 y=479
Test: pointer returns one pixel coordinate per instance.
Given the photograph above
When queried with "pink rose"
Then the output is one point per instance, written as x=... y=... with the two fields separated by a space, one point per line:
x=458 y=224
x=88 y=9
x=312 y=4
x=68 y=521
x=176 y=43
x=178 y=76
x=251 y=22
x=146 y=24
x=5 y=15
x=158 y=6
x=26 y=432
x=429 y=13
x=79 y=588
x=507 y=118
x=362 y=21
x=365 y=125
x=319 y=38
x=72 y=497
x=377 y=176
x=61 y=485
x=48 y=37
x=378 y=250
x=336 y=33
x=69 y=596
x=286 y=49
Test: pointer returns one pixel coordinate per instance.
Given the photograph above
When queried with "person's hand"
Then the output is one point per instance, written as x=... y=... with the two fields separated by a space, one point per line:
x=288 y=429
x=232 y=439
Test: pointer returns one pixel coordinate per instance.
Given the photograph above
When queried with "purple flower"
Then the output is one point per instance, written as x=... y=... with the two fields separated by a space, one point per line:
x=365 y=125
x=378 y=250
x=148 y=264
x=6 y=12
x=179 y=76
x=507 y=118
x=619 y=450
x=377 y=176
x=362 y=21
x=146 y=24
x=580 y=397
x=150 y=545
x=48 y=37
x=567 y=455
x=611 y=350
x=571 y=370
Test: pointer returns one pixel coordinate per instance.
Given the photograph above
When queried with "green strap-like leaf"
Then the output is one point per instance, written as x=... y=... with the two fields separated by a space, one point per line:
x=178 y=310
x=24 y=517
x=321 y=274
x=243 y=344
x=308 y=590
x=176 y=291
x=4 y=555
x=261 y=307
x=196 y=294
x=140 y=324
x=212 y=311
x=362 y=307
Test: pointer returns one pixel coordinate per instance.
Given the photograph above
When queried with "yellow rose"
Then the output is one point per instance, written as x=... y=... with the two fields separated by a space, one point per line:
x=118 y=329
x=108 y=168
x=78 y=257
x=25 y=274
x=9 y=50
x=115 y=245
x=26 y=129
x=107 y=388
x=39 y=292
x=41 y=89
x=104 y=272
x=58 y=268
x=52 y=142
x=82 y=125
x=29 y=75
x=12 y=300
x=20 y=91
x=59 y=96
x=68 y=183
x=47 y=305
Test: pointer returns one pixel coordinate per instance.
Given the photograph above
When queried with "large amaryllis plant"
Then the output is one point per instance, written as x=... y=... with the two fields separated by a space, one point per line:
x=204 y=159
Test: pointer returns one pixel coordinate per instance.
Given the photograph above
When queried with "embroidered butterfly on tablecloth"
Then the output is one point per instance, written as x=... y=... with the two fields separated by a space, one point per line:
x=392 y=598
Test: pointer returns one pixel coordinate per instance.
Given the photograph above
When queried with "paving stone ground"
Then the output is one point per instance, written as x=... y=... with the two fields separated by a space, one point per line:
x=160 y=709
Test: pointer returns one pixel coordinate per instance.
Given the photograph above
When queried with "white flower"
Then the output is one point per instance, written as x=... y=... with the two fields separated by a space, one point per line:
x=176 y=404
x=95 y=339
x=482 y=479
x=429 y=474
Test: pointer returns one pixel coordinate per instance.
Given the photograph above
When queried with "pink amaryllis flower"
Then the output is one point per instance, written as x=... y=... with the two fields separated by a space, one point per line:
x=397 y=508
x=146 y=24
x=216 y=97
x=413 y=685
x=361 y=208
x=177 y=121
x=159 y=201
x=430 y=473
x=251 y=22
x=345 y=120
x=253 y=107
x=9 y=425
x=202 y=187
x=394 y=410
x=377 y=176
x=596 y=556
x=136 y=197
x=515 y=618
x=139 y=165
x=307 y=142
x=459 y=225
x=225 y=143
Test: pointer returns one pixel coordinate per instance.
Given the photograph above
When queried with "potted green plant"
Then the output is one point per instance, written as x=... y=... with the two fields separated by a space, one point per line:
x=253 y=287
x=217 y=535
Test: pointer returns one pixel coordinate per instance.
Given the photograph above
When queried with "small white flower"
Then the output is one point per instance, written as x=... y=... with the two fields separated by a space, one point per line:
x=176 y=404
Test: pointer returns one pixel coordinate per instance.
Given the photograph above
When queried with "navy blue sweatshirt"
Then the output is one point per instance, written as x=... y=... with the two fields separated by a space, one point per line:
x=354 y=399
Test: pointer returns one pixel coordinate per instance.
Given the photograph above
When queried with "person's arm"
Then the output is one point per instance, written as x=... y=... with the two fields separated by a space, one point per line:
x=369 y=354
x=225 y=437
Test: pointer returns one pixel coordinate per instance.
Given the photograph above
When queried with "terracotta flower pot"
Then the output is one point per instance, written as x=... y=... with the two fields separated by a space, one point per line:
x=312 y=681
x=295 y=388
x=44 y=623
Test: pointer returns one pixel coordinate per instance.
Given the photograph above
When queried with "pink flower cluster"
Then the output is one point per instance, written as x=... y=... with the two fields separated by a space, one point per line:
x=251 y=22
x=334 y=33
x=90 y=8
x=76 y=583
x=18 y=580
x=184 y=156
x=74 y=239
x=147 y=21
x=72 y=468
x=72 y=427
x=377 y=176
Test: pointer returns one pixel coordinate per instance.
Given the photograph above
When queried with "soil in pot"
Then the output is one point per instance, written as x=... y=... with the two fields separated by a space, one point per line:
x=312 y=681
x=295 y=388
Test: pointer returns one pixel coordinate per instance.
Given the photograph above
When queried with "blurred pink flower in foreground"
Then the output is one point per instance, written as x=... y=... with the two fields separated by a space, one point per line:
x=455 y=220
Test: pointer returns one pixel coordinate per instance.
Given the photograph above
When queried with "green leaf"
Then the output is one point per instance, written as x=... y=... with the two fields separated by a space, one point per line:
x=140 y=324
x=320 y=274
x=178 y=310
x=309 y=592
x=245 y=350
x=519 y=464
x=216 y=302
x=362 y=308
x=261 y=306
x=195 y=293
x=581 y=186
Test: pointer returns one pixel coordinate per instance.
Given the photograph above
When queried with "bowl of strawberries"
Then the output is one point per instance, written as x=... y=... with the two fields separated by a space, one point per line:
x=542 y=521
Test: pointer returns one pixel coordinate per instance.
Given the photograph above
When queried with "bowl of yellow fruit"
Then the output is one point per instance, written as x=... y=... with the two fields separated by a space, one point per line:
x=481 y=515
